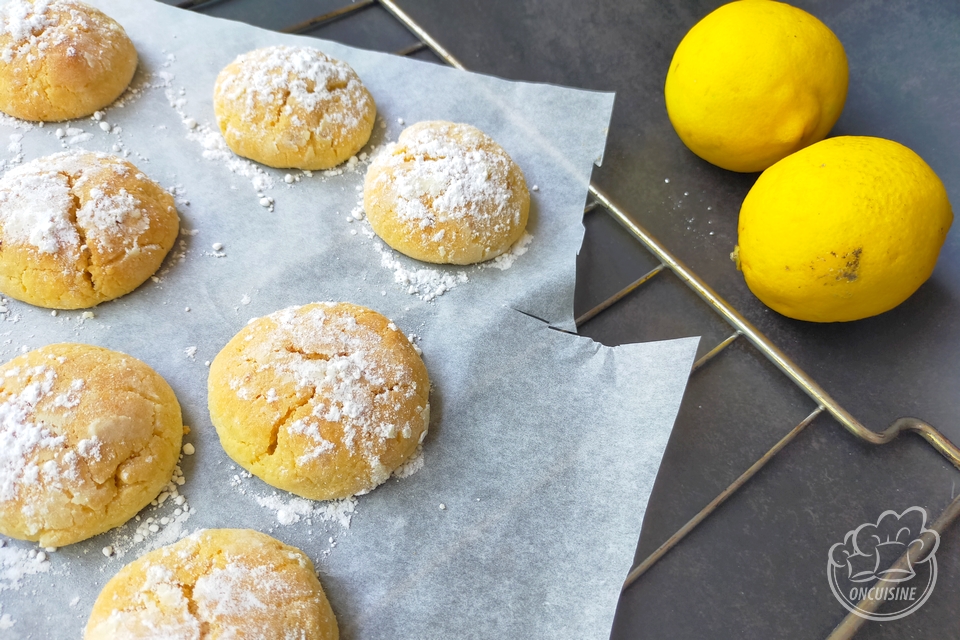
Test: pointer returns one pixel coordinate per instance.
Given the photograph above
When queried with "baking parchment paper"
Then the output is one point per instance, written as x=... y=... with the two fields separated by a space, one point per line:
x=543 y=449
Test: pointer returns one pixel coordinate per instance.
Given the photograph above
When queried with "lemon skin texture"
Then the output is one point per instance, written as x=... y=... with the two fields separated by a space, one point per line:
x=755 y=81
x=845 y=229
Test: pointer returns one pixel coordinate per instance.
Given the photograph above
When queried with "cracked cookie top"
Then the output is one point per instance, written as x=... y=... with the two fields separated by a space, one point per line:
x=88 y=437
x=215 y=583
x=61 y=59
x=324 y=400
x=79 y=228
x=446 y=193
x=293 y=107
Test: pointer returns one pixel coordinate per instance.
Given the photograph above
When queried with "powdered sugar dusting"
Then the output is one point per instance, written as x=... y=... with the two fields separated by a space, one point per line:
x=452 y=191
x=445 y=172
x=21 y=437
x=298 y=83
x=108 y=211
x=227 y=591
x=38 y=204
x=31 y=29
x=347 y=396
x=25 y=23
x=35 y=209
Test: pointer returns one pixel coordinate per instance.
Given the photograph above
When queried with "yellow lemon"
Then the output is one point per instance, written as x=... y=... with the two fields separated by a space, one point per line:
x=845 y=229
x=755 y=81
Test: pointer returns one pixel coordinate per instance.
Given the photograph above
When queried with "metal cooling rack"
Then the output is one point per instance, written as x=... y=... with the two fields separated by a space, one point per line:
x=741 y=328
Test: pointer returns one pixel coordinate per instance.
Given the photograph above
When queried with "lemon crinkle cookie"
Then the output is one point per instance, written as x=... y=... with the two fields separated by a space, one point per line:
x=61 y=59
x=215 y=583
x=324 y=400
x=79 y=228
x=446 y=193
x=293 y=107
x=88 y=437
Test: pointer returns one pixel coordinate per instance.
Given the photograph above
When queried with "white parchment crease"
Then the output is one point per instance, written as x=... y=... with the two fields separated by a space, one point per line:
x=543 y=447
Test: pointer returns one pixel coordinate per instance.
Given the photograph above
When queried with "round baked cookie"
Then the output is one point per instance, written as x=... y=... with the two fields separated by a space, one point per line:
x=324 y=400
x=61 y=59
x=88 y=437
x=79 y=228
x=446 y=193
x=293 y=107
x=217 y=584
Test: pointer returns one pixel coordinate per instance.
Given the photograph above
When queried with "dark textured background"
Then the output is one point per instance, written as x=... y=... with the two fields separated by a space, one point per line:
x=757 y=567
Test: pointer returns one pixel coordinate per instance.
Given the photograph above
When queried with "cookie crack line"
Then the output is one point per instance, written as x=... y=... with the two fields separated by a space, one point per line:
x=193 y=608
x=307 y=355
x=282 y=421
x=81 y=232
x=410 y=156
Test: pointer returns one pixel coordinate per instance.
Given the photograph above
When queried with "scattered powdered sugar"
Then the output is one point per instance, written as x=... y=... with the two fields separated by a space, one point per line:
x=179 y=193
x=15 y=123
x=170 y=512
x=505 y=260
x=6 y=622
x=311 y=430
x=331 y=518
x=411 y=466
x=215 y=147
x=16 y=564
x=76 y=135
x=425 y=283
x=293 y=510
x=15 y=149
x=139 y=86
x=91 y=446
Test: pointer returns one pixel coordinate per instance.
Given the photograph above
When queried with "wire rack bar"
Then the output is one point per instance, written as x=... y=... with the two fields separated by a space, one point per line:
x=939 y=442
x=193 y=4
x=412 y=49
x=713 y=353
x=329 y=17
x=418 y=31
x=852 y=623
x=617 y=297
x=682 y=532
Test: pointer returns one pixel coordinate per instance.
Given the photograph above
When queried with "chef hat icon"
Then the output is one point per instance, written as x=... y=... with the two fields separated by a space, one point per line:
x=869 y=551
